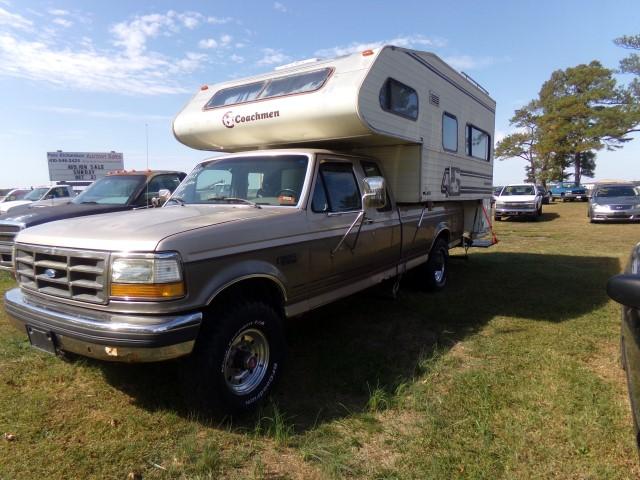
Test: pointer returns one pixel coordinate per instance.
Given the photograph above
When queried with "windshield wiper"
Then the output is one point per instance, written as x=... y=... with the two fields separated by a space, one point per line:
x=235 y=200
x=178 y=200
x=88 y=203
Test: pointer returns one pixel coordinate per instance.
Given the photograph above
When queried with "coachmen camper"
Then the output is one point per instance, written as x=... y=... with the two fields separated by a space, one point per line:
x=336 y=175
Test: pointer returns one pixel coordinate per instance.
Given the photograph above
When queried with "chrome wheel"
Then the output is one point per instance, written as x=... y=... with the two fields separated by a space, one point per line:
x=439 y=267
x=246 y=361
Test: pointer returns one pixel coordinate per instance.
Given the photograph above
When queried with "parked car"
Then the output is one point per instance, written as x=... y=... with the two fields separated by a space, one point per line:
x=567 y=191
x=57 y=194
x=14 y=194
x=617 y=202
x=546 y=194
x=625 y=289
x=516 y=200
x=113 y=193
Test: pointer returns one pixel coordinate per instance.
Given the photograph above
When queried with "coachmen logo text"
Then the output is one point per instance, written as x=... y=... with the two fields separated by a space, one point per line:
x=230 y=120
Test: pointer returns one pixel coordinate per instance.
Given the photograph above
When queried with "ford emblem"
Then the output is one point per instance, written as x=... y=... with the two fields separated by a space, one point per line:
x=50 y=272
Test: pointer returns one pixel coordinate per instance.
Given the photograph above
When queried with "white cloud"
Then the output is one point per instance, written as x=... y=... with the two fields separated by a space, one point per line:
x=467 y=62
x=58 y=12
x=218 y=21
x=113 y=115
x=236 y=58
x=14 y=20
x=272 y=57
x=226 y=39
x=410 y=41
x=207 y=43
x=63 y=22
x=279 y=7
x=90 y=69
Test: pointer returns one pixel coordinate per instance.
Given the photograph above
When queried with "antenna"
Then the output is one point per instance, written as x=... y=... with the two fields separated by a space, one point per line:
x=146 y=131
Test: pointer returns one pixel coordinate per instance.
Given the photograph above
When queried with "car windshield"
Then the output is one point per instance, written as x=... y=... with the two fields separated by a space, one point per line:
x=263 y=180
x=116 y=190
x=617 y=191
x=518 y=190
x=36 y=194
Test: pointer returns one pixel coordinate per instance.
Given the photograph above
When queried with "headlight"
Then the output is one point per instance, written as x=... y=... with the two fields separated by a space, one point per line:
x=500 y=204
x=147 y=276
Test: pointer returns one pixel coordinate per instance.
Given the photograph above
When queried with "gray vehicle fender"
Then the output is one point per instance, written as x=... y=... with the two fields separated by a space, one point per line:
x=442 y=227
x=246 y=270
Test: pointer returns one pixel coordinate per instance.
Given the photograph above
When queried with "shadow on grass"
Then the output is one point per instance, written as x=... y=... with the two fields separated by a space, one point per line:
x=545 y=217
x=340 y=353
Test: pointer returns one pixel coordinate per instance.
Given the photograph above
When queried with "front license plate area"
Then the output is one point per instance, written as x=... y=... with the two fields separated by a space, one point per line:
x=42 y=339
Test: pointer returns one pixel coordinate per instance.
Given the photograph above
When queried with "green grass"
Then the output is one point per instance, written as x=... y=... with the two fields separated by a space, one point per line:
x=512 y=372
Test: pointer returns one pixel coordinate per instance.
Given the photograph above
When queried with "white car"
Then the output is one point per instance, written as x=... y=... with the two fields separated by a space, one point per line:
x=55 y=195
x=522 y=199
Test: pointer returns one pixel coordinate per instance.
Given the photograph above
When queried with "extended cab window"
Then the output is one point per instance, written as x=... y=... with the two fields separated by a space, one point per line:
x=336 y=189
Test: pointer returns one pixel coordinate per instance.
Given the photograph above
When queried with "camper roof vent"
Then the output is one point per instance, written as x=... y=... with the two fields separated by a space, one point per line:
x=434 y=99
x=298 y=63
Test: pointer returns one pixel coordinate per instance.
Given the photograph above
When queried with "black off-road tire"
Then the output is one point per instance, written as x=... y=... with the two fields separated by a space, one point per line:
x=207 y=378
x=436 y=271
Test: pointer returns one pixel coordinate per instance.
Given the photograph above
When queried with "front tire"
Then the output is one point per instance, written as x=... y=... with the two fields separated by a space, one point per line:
x=238 y=357
x=436 y=270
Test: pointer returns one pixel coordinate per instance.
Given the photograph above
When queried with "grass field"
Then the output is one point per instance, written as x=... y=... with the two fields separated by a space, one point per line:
x=512 y=372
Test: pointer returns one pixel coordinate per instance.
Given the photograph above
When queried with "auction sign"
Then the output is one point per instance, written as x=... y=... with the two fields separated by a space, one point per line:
x=72 y=166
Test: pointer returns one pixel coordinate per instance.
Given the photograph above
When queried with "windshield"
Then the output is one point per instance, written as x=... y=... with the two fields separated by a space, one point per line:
x=264 y=180
x=616 y=191
x=518 y=190
x=116 y=190
x=36 y=194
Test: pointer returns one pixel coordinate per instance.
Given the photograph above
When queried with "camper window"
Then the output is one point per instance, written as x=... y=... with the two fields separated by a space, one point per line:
x=301 y=83
x=449 y=132
x=234 y=95
x=336 y=189
x=400 y=99
x=278 y=87
x=477 y=143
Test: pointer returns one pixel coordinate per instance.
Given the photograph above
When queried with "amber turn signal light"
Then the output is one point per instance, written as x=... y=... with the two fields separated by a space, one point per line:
x=147 y=291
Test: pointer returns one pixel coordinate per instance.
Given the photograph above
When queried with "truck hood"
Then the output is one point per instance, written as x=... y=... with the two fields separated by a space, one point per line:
x=137 y=230
x=32 y=214
x=6 y=206
x=516 y=198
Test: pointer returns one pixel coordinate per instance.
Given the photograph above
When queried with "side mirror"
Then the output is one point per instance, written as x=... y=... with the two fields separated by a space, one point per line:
x=163 y=196
x=625 y=289
x=375 y=193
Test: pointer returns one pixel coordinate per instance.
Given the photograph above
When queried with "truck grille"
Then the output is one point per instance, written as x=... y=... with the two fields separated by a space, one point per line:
x=61 y=272
x=7 y=236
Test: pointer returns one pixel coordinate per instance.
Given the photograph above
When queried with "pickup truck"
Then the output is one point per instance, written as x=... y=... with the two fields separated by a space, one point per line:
x=54 y=195
x=246 y=240
x=116 y=192
x=567 y=191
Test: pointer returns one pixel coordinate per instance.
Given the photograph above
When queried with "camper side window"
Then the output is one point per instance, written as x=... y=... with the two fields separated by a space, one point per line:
x=477 y=143
x=449 y=132
x=399 y=99
x=336 y=189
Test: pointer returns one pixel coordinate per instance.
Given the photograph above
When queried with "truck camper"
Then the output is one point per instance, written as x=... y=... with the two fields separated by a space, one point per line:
x=334 y=176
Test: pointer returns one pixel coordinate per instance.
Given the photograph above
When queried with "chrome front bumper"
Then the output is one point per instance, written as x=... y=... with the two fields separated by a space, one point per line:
x=103 y=335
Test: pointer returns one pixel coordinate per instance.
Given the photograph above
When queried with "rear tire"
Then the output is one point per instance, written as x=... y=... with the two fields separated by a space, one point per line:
x=238 y=357
x=436 y=270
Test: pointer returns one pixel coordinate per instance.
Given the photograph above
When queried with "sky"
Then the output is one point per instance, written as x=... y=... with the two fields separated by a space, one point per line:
x=101 y=76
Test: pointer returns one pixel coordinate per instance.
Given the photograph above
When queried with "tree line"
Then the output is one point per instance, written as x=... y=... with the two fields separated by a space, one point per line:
x=579 y=111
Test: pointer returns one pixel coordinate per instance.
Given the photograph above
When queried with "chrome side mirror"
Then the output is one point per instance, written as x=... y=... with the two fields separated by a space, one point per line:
x=163 y=196
x=375 y=193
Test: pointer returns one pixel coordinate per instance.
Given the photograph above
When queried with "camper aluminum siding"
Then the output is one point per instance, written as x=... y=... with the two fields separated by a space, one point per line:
x=346 y=114
x=417 y=172
x=304 y=119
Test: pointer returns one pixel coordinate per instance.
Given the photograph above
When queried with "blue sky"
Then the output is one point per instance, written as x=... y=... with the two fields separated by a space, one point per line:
x=88 y=76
